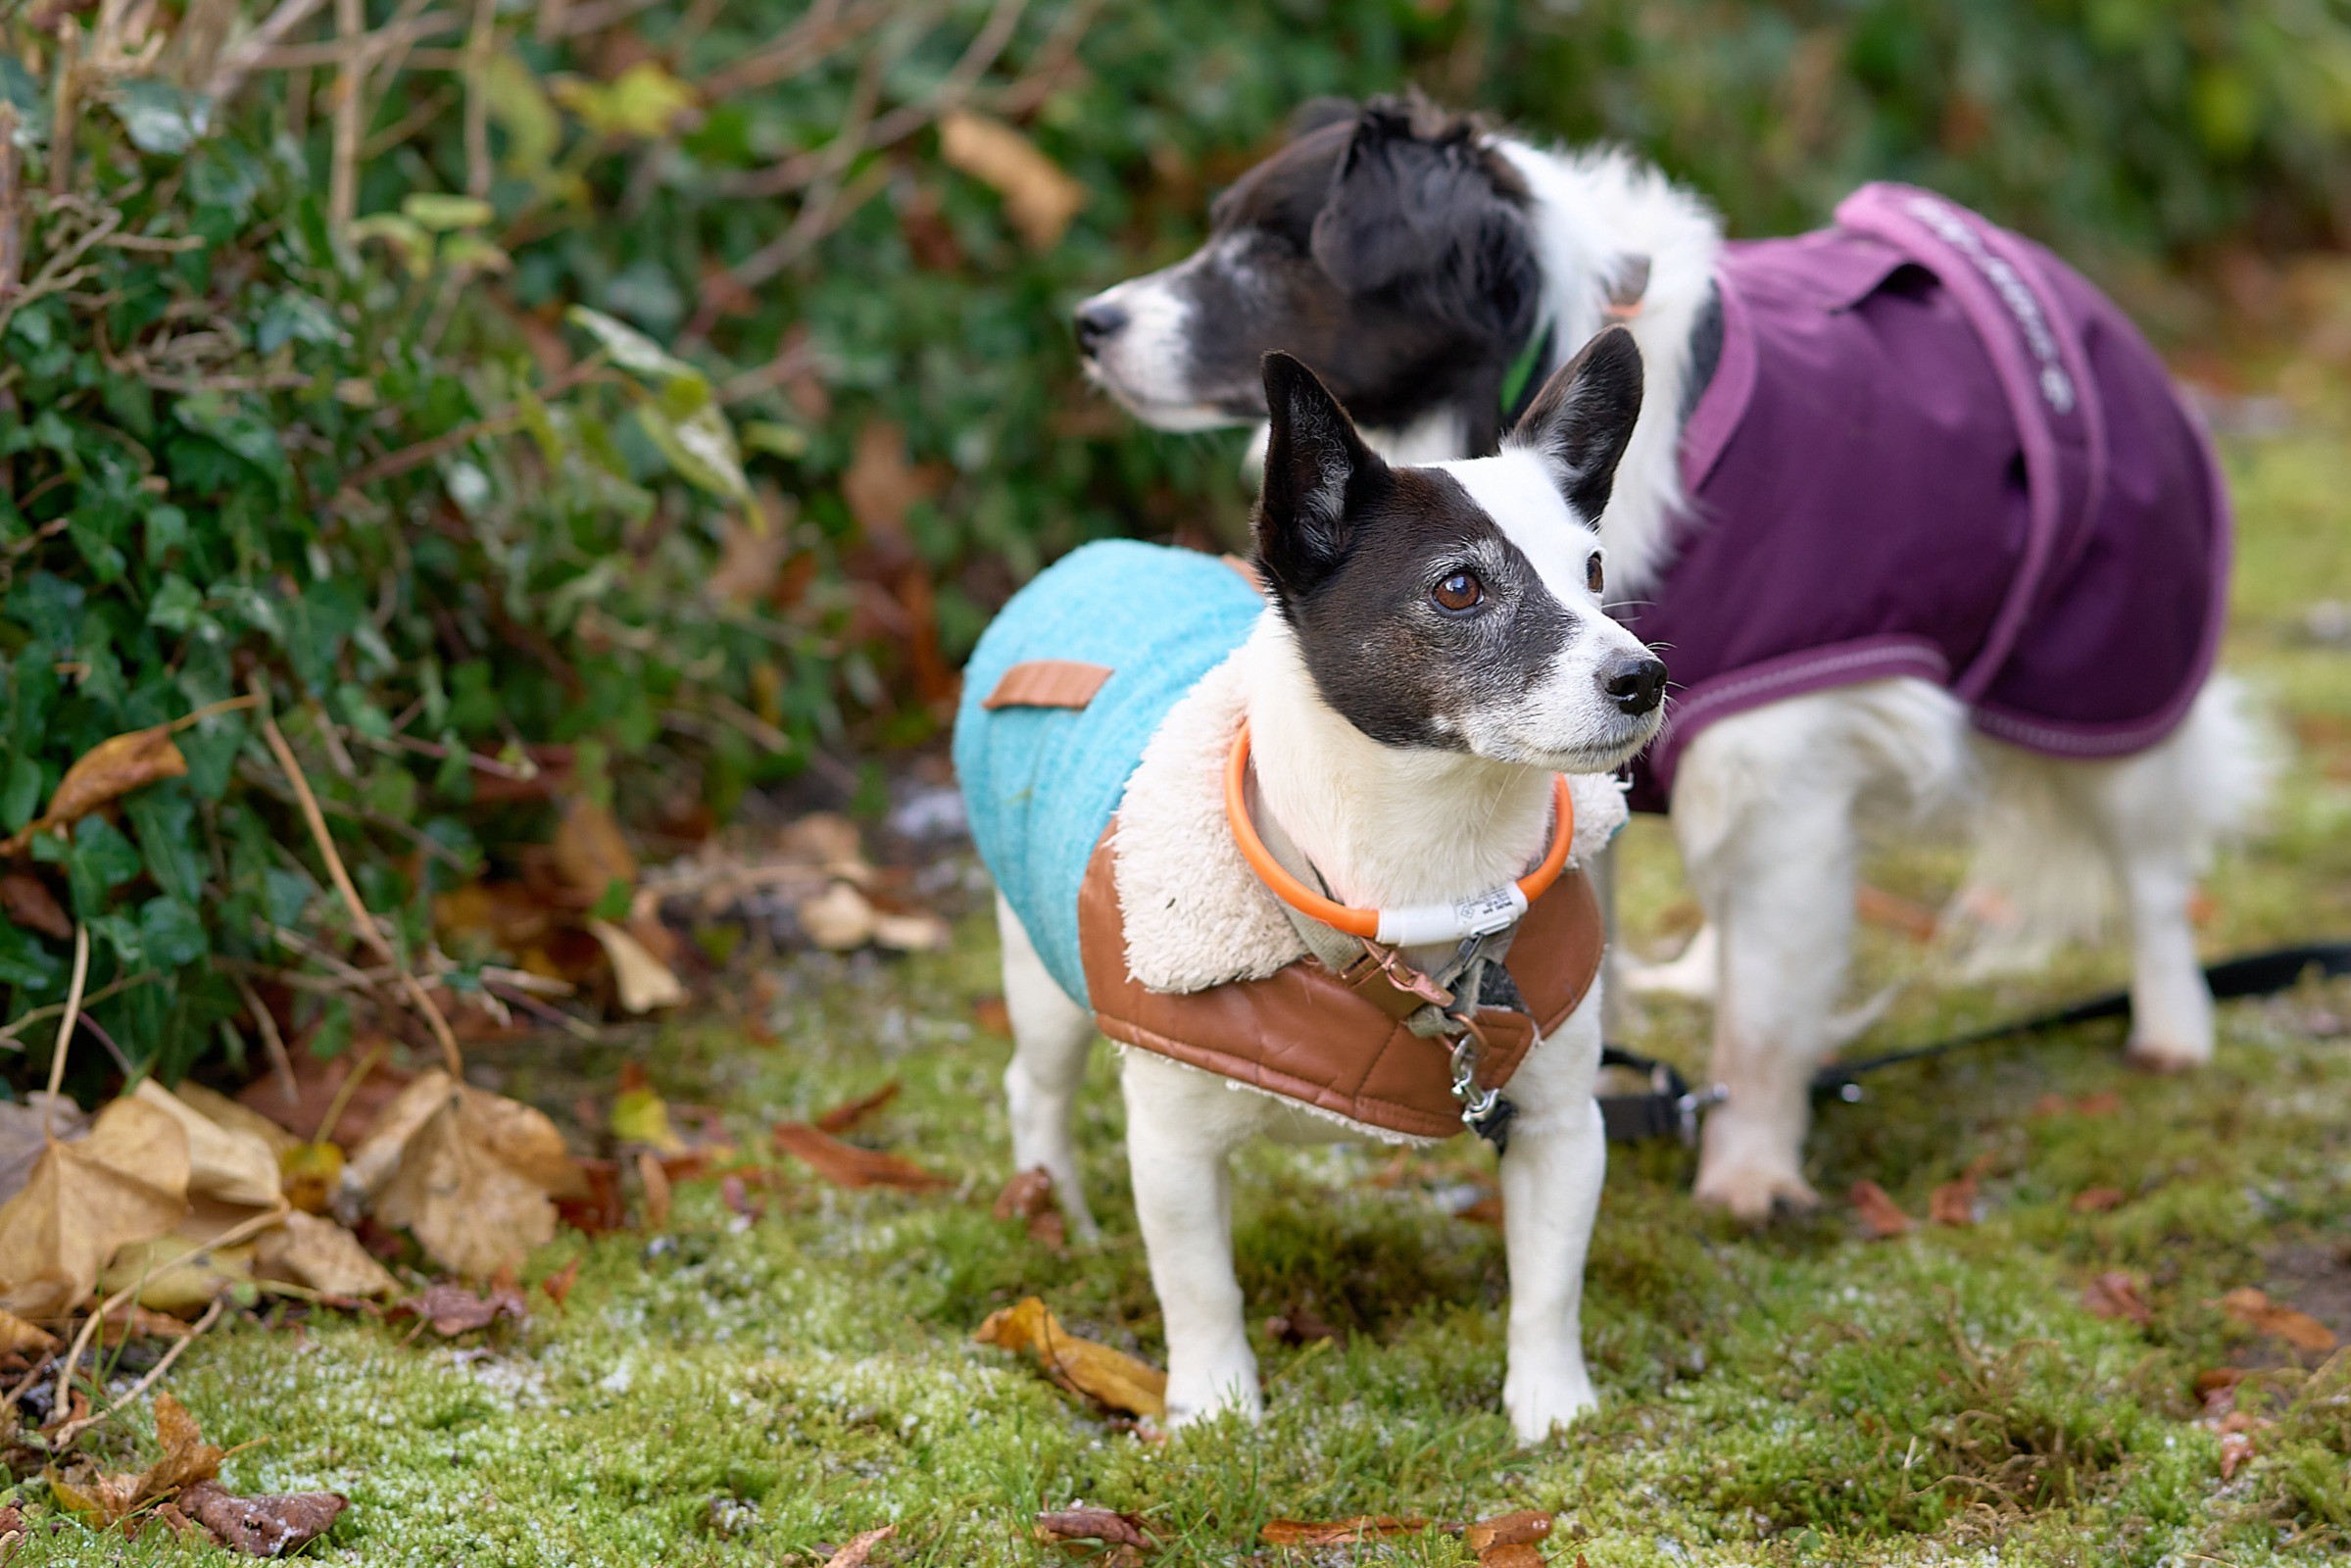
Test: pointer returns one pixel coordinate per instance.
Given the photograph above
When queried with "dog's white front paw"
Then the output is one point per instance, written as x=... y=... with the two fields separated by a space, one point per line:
x=2170 y=1055
x=1751 y=1187
x=1539 y=1401
x=1202 y=1392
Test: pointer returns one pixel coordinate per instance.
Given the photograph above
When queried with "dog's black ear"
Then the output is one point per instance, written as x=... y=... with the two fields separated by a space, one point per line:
x=1313 y=461
x=1318 y=114
x=1422 y=210
x=1579 y=422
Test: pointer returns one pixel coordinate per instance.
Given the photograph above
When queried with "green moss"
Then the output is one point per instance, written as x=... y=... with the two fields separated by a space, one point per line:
x=740 y=1393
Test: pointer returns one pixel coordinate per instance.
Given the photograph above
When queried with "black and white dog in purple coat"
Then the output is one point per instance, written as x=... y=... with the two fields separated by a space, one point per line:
x=1918 y=514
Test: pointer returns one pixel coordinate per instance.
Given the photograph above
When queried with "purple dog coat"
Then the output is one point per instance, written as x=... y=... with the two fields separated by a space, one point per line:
x=1929 y=448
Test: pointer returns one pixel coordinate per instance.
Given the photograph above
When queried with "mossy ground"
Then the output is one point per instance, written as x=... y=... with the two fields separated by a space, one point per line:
x=743 y=1392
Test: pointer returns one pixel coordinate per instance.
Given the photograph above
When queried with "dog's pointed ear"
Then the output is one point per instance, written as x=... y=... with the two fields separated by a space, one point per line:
x=1579 y=422
x=1320 y=114
x=1313 y=460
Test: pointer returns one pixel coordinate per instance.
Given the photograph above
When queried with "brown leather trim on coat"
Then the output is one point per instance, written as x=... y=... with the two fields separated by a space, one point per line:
x=1047 y=683
x=1309 y=1035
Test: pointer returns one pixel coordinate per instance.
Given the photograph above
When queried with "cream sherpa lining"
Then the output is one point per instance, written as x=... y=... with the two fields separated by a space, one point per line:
x=1196 y=915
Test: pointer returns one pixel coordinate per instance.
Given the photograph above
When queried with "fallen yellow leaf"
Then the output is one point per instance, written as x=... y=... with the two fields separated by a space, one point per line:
x=113 y=767
x=234 y=1167
x=1081 y=1366
x=127 y=1182
x=474 y=1175
x=320 y=1254
x=1039 y=198
x=644 y=982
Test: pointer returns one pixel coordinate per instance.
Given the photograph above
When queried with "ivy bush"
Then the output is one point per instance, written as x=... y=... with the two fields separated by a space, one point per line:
x=611 y=416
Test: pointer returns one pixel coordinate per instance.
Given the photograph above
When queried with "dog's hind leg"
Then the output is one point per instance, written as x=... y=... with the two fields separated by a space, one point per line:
x=1181 y=1126
x=1764 y=806
x=2157 y=815
x=1051 y=1037
x=1552 y=1176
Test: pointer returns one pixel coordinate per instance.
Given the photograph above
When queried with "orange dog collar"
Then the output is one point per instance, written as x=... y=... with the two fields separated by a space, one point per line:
x=1417 y=923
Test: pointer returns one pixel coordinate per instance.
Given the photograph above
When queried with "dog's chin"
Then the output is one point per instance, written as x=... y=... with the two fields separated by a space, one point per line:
x=1588 y=754
x=1180 y=414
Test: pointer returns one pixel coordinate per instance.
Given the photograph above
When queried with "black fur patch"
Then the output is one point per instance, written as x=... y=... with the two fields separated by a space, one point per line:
x=1352 y=548
x=1388 y=249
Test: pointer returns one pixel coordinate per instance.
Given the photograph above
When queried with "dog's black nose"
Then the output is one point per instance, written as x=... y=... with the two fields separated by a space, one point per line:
x=1635 y=682
x=1097 y=323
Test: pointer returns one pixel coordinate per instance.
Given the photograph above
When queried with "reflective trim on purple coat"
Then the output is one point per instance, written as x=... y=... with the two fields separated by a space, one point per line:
x=1929 y=448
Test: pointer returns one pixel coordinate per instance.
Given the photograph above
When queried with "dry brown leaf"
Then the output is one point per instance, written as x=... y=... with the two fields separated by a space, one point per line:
x=320 y=1256
x=589 y=851
x=903 y=932
x=1893 y=911
x=223 y=1111
x=180 y=1272
x=271 y=1525
x=1080 y=1366
x=991 y=1014
x=1880 y=1215
x=2257 y=1311
x=23 y=1136
x=1954 y=1202
x=1029 y=1197
x=838 y=920
x=1510 y=1555
x=1521 y=1529
x=107 y=1497
x=1485 y=1209
x=1039 y=198
x=25 y=900
x=841 y=1117
x=558 y=1285
x=1337 y=1532
x=1095 y=1524
x=879 y=487
x=126 y=1182
x=2115 y=1294
x=17 y=1334
x=2097 y=1199
x=474 y=1175
x=655 y=1183
x=736 y=1195
x=1301 y=1325
x=644 y=981
x=230 y=1167
x=2235 y=1449
x=449 y=1309
x=847 y=1165
x=859 y=1549
x=113 y=767
x=750 y=556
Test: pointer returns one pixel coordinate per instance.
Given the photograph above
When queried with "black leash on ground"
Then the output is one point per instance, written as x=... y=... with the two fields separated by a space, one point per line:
x=1671 y=1107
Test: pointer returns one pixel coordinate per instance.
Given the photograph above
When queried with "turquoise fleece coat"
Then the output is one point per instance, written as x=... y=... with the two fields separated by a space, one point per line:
x=1041 y=784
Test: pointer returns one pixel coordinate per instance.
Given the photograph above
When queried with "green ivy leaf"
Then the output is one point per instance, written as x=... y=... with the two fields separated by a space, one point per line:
x=171 y=932
x=25 y=961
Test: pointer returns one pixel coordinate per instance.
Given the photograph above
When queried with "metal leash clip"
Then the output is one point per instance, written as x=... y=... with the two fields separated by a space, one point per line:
x=1686 y=1107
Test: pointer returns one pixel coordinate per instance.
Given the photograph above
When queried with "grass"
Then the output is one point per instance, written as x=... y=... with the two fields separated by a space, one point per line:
x=741 y=1392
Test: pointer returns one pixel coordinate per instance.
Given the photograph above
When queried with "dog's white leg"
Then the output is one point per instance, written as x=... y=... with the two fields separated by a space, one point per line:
x=1768 y=837
x=2171 y=1005
x=1552 y=1180
x=1180 y=1127
x=1051 y=1035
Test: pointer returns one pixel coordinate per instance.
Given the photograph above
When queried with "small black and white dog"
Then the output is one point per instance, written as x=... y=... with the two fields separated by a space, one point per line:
x=1431 y=272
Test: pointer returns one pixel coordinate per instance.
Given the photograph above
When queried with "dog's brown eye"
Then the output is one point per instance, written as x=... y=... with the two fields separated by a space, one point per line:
x=1593 y=577
x=1459 y=592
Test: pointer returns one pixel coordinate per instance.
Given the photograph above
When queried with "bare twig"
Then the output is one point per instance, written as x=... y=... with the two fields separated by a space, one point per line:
x=154 y=1375
x=601 y=14
x=477 y=98
x=236 y=64
x=280 y=1063
x=360 y=916
x=393 y=463
x=551 y=19
x=344 y=1090
x=350 y=81
x=24 y=1021
x=65 y=1031
x=815 y=36
x=362 y=49
x=11 y=206
x=65 y=112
